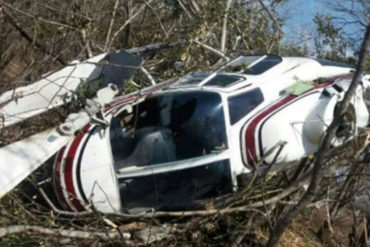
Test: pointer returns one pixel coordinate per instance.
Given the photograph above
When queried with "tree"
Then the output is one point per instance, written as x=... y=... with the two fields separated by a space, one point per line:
x=329 y=39
x=317 y=175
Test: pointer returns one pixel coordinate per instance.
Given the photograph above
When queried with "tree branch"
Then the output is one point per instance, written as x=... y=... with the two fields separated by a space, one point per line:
x=111 y=25
x=25 y=35
x=221 y=54
x=128 y=22
x=316 y=177
x=18 y=229
x=224 y=25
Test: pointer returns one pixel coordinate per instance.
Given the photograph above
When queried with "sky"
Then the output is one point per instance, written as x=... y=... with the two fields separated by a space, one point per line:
x=299 y=14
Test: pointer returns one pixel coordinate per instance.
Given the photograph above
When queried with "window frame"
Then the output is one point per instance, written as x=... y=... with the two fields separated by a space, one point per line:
x=244 y=93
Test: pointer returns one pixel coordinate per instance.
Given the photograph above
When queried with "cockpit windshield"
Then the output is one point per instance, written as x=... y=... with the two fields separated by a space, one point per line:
x=169 y=127
x=226 y=76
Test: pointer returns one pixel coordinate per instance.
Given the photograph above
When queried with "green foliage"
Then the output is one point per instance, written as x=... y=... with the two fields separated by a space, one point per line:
x=294 y=50
x=329 y=39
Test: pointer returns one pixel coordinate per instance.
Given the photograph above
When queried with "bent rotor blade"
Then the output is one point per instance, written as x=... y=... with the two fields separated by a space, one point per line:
x=120 y=68
x=52 y=91
x=57 y=88
x=18 y=160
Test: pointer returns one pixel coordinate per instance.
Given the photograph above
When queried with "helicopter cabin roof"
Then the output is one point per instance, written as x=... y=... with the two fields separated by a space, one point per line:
x=245 y=71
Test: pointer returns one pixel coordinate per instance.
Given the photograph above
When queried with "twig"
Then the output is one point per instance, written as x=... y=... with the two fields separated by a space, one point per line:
x=365 y=233
x=238 y=236
x=328 y=213
x=354 y=233
x=150 y=77
x=58 y=211
x=241 y=35
x=86 y=43
x=184 y=8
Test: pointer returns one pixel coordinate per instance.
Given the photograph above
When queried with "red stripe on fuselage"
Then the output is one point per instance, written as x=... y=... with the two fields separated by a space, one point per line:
x=251 y=129
x=136 y=96
x=249 y=134
x=57 y=180
x=68 y=170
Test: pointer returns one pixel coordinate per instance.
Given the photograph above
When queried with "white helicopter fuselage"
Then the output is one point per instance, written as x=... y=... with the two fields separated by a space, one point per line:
x=209 y=129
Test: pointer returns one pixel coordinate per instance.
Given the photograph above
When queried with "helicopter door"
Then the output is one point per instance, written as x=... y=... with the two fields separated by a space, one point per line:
x=173 y=188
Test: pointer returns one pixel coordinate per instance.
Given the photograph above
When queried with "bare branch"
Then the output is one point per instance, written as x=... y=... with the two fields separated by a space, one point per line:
x=128 y=22
x=158 y=19
x=25 y=35
x=224 y=25
x=271 y=16
x=221 y=54
x=184 y=8
x=38 y=18
x=111 y=25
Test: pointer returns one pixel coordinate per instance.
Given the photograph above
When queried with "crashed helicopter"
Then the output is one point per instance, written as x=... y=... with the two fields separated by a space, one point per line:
x=180 y=142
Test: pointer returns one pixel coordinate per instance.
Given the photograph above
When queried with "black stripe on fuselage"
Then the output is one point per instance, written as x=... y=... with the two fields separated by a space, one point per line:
x=78 y=168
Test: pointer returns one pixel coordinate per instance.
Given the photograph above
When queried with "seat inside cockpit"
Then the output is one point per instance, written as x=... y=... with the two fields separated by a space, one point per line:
x=169 y=127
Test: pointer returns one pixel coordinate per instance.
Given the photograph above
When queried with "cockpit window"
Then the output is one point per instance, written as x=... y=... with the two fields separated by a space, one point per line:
x=241 y=104
x=169 y=127
x=265 y=64
x=222 y=80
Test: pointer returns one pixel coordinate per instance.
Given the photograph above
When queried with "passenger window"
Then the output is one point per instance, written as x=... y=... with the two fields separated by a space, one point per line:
x=264 y=65
x=242 y=104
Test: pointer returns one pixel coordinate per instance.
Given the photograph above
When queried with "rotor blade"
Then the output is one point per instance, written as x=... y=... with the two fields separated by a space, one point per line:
x=52 y=91
x=18 y=160
x=56 y=89
x=120 y=67
x=156 y=47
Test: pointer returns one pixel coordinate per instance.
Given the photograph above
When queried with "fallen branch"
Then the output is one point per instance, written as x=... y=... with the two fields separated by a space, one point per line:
x=18 y=229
